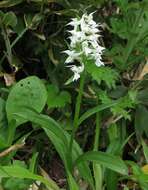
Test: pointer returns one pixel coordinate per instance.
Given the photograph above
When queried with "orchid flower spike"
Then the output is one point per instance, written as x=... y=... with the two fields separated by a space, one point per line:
x=84 y=43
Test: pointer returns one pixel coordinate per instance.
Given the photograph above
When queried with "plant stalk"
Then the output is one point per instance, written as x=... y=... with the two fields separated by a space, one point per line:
x=97 y=132
x=13 y=44
x=7 y=44
x=97 y=170
x=77 y=112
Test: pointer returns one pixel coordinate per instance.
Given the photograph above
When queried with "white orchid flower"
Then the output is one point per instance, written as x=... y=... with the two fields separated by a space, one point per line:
x=85 y=48
x=84 y=43
x=76 y=70
x=77 y=37
x=75 y=23
x=72 y=55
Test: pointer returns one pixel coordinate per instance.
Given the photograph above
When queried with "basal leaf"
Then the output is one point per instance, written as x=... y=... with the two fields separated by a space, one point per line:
x=59 y=138
x=29 y=92
x=107 y=160
x=55 y=134
x=10 y=19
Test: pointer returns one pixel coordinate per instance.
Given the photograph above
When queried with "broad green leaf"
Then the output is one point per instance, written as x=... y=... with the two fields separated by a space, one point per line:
x=21 y=172
x=59 y=138
x=11 y=131
x=51 y=127
x=94 y=110
x=55 y=134
x=9 y=3
x=56 y=98
x=29 y=92
x=10 y=19
x=107 y=160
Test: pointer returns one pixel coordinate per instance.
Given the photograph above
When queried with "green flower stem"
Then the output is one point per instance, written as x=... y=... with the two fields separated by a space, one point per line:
x=19 y=36
x=97 y=170
x=77 y=112
x=97 y=132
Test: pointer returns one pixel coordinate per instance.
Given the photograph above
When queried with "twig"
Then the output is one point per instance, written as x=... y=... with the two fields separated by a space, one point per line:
x=10 y=149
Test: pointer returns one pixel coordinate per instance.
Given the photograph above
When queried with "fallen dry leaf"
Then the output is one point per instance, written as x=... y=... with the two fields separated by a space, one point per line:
x=141 y=71
x=9 y=79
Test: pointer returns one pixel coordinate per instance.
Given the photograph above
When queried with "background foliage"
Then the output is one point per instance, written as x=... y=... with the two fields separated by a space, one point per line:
x=40 y=112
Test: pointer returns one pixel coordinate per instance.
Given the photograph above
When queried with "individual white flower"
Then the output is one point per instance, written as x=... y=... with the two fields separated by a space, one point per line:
x=88 y=29
x=72 y=55
x=89 y=18
x=76 y=37
x=93 y=38
x=76 y=70
x=88 y=24
x=85 y=48
x=75 y=23
x=99 y=63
